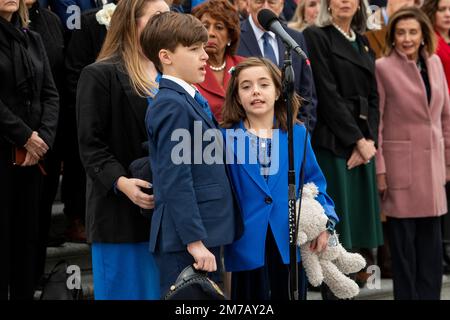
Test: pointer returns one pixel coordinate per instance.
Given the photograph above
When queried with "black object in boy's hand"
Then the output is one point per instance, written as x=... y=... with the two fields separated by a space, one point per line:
x=148 y=191
x=141 y=169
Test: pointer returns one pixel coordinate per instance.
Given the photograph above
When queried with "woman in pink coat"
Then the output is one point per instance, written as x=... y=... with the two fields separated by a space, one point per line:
x=413 y=159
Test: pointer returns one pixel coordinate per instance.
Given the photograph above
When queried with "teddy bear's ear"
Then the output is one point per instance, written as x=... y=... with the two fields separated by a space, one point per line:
x=310 y=190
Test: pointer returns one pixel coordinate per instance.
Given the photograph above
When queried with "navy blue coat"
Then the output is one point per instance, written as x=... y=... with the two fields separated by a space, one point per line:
x=304 y=82
x=192 y=201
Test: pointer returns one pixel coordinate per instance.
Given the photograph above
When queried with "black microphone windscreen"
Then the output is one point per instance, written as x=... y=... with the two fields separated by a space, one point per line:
x=266 y=17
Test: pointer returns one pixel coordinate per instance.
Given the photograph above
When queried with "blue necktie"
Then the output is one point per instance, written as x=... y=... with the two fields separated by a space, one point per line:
x=203 y=103
x=268 y=49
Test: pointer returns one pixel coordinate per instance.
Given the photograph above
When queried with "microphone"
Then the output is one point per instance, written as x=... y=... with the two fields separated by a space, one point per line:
x=270 y=22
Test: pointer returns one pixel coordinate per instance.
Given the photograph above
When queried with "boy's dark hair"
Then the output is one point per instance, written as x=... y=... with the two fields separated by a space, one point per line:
x=168 y=30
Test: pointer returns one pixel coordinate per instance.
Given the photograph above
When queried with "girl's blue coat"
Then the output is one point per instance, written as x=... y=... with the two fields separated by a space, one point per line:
x=253 y=192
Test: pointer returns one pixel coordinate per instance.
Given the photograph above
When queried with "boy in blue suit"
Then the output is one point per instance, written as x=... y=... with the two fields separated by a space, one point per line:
x=195 y=211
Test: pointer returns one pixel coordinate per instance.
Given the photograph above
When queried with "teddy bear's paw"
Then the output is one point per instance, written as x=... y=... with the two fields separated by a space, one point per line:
x=315 y=277
x=346 y=290
x=350 y=262
x=311 y=265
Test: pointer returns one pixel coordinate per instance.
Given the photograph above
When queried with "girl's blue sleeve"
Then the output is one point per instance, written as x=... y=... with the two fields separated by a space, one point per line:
x=313 y=173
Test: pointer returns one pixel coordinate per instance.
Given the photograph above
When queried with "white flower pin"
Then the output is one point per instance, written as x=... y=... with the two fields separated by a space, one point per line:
x=104 y=16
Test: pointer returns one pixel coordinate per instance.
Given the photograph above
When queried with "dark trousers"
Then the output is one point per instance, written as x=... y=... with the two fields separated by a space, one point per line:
x=20 y=191
x=445 y=219
x=171 y=264
x=49 y=189
x=270 y=282
x=416 y=250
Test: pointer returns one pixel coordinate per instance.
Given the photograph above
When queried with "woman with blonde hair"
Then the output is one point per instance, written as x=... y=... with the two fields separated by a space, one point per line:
x=305 y=14
x=111 y=105
x=28 y=120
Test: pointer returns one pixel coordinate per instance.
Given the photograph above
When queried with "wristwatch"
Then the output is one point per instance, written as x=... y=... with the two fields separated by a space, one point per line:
x=331 y=225
x=333 y=239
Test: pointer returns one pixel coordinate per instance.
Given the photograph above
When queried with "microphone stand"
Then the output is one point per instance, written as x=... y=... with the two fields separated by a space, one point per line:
x=288 y=94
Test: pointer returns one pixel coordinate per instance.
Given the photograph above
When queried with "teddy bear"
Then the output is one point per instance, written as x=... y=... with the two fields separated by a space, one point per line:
x=332 y=264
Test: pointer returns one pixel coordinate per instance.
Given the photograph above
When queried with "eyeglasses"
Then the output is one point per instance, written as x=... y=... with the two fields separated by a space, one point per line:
x=271 y=3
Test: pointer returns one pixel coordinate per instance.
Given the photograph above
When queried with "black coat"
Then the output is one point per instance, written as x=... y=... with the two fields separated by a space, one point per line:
x=111 y=130
x=20 y=116
x=49 y=27
x=82 y=50
x=347 y=108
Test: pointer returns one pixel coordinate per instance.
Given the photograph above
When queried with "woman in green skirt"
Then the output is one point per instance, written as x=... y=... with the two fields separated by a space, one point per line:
x=347 y=124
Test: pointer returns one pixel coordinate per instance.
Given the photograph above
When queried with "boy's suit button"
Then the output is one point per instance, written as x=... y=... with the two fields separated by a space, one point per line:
x=268 y=200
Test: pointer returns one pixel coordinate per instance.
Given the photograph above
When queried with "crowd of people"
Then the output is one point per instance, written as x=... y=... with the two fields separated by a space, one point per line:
x=86 y=95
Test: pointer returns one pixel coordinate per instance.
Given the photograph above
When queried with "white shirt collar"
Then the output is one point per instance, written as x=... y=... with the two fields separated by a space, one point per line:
x=258 y=32
x=186 y=86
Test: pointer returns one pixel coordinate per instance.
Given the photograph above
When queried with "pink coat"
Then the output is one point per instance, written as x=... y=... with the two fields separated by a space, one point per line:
x=414 y=137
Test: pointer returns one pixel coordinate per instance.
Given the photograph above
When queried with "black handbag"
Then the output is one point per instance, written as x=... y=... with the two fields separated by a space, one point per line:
x=141 y=169
x=193 y=284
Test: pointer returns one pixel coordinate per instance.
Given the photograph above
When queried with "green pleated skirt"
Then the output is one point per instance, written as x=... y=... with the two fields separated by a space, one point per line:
x=355 y=196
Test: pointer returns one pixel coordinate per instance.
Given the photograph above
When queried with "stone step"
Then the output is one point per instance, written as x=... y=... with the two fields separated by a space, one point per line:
x=385 y=291
x=74 y=253
x=86 y=285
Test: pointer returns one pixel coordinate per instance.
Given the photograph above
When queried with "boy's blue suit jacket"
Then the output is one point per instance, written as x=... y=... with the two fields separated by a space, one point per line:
x=193 y=201
x=266 y=203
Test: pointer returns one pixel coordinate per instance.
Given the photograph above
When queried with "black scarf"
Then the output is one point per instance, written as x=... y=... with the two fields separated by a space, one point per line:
x=24 y=72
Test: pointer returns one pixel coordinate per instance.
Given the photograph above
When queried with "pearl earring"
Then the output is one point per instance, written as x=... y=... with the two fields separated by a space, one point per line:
x=423 y=43
x=229 y=43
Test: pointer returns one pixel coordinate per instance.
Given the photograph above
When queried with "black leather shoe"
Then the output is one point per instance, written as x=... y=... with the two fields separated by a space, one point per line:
x=446 y=253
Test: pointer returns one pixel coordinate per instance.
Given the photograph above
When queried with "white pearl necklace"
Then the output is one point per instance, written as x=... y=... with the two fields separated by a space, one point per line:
x=218 y=68
x=351 y=37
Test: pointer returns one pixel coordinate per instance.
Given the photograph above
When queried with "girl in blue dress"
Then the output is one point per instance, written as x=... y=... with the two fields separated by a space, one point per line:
x=255 y=130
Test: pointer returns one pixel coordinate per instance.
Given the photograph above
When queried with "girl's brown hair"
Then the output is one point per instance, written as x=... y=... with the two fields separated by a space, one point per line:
x=415 y=13
x=122 y=43
x=233 y=112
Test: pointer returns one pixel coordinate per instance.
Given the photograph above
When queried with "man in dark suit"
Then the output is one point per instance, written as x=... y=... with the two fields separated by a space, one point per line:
x=195 y=211
x=49 y=27
x=255 y=41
